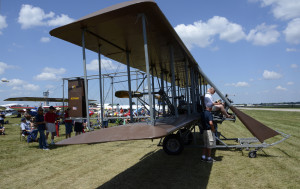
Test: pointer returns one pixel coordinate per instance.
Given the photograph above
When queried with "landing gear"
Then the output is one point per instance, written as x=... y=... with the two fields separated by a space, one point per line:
x=186 y=135
x=173 y=144
x=252 y=154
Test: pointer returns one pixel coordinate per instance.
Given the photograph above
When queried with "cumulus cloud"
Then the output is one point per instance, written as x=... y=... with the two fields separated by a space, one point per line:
x=238 y=84
x=18 y=84
x=291 y=50
x=45 y=39
x=3 y=23
x=105 y=65
x=202 y=34
x=4 y=66
x=292 y=31
x=280 y=88
x=283 y=9
x=60 y=20
x=294 y=66
x=30 y=16
x=263 y=35
x=271 y=75
x=50 y=74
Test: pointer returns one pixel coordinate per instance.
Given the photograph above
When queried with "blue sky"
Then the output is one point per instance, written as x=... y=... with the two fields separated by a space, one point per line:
x=248 y=48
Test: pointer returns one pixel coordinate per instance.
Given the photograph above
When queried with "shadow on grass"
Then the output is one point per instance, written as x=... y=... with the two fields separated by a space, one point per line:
x=159 y=170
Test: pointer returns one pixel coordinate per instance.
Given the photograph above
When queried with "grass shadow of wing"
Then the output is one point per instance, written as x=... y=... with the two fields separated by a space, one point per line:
x=159 y=170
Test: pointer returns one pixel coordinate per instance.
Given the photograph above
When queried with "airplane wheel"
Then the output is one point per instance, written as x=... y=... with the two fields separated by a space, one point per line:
x=173 y=144
x=188 y=138
x=252 y=154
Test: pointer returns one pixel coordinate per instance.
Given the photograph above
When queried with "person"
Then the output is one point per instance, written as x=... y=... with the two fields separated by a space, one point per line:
x=216 y=106
x=57 y=122
x=209 y=139
x=27 y=114
x=2 y=116
x=121 y=111
x=50 y=118
x=78 y=126
x=41 y=126
x=25 y=127
x=68 y=123
x=2 y=128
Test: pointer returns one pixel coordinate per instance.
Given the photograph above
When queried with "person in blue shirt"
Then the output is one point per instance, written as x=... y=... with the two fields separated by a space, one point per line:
x=41 y=126
x=208 y=134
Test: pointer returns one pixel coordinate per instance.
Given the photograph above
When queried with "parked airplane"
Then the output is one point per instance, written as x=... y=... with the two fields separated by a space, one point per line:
x=137 y=34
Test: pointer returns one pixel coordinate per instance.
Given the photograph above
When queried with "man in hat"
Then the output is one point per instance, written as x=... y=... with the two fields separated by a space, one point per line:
x=50 y=118
x=24 y=127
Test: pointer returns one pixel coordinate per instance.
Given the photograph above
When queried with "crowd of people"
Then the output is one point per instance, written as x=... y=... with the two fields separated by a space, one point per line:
x=44 y=124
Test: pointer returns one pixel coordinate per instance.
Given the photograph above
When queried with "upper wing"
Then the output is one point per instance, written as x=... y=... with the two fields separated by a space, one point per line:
x=118 y=29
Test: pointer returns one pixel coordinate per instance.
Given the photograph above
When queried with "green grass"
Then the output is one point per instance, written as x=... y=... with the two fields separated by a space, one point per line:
x=142 y=164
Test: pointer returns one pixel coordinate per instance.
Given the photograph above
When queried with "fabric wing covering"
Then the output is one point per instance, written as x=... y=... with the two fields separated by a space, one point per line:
x=257 y=129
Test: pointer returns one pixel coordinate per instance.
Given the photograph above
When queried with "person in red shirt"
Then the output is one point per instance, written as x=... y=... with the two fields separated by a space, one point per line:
x=68 y=123
x=50 y=118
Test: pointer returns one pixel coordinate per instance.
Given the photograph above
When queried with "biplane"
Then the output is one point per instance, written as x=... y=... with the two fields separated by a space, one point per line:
x=137 y=34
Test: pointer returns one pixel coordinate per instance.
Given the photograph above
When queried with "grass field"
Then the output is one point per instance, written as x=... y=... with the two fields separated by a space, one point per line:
x=142 y=164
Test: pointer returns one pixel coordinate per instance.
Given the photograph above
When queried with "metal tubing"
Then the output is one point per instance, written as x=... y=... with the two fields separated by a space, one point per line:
x=193 y=90
x=63 y=95
x=112 y=94
x=100 y=85
x=85 y=81
x=162 y=88
x=129 y=86
x=197 y=90
x=187 y=87
x=173 y=80
x=147 y=68
x=153 y=96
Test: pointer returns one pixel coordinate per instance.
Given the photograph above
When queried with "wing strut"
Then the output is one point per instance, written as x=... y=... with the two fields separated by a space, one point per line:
x=147 y=67
x=85 y=81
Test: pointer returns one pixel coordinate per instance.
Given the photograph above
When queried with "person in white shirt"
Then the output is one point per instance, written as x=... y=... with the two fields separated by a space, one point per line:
x=25 y=127
x=209 y=101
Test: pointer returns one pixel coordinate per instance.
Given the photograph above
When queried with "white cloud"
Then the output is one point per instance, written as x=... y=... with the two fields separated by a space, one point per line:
x=30 y=16
x=60 y=20
x=202 y=34
x=294 y=66
x=3 y=23
x=238 y=84
x=291 y=50
x=271 y=75
x=18 y=84
x=283 y=9
x=4 y=66
x=242 y=84
x=105 y=65
x=51 y=74
x=280 y=88
x=263 y=35
x=31 y=87
x=290 y=83
x=45 y=39
x=292 y=31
